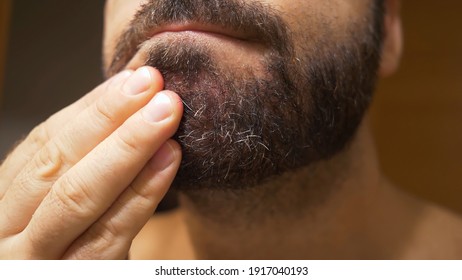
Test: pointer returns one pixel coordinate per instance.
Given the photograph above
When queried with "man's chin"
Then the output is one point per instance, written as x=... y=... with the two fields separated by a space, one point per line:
x=186 y=181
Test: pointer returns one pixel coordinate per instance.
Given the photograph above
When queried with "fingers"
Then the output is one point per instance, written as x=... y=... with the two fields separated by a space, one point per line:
x=110 y=237
x=22 y=154
x=89 y=188
x=123 y=97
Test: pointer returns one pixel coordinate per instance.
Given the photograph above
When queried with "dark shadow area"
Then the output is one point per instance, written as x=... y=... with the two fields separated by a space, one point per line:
x=53 y=58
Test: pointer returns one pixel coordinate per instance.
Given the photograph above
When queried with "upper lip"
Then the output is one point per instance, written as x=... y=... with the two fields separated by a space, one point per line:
x=190 y=26
x=197 y=27
x=127 y=59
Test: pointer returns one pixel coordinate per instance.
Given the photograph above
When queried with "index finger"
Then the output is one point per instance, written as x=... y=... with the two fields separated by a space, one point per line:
x=41 y=134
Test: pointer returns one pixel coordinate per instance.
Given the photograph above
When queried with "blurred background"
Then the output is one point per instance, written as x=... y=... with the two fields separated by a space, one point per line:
x=50 y=56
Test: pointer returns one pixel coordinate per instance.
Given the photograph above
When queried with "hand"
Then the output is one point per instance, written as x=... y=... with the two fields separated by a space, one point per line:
x=84 y=182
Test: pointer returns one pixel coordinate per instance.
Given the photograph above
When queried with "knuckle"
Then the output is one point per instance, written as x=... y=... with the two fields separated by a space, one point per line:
x=104 y=113
x=144 y=197
x=40 y=135
x=45 y=168
x=106 y=232
x=72 y=197
x=127 y=140
x=102 y=240
x=48 y=162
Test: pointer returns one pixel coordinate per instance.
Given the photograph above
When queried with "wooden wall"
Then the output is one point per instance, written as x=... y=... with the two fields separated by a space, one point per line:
x=417 y=115
x=4 y=23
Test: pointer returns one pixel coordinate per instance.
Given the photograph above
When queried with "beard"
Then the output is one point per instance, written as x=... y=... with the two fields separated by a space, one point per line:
x=242 y=127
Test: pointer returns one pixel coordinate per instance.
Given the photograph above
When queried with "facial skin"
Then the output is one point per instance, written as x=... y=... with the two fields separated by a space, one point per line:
x=260 y=99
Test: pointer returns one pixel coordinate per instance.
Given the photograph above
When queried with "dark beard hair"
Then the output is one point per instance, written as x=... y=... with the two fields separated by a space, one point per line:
x=240 y=129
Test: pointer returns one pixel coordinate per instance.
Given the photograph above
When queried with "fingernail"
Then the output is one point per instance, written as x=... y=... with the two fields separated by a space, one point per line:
x=119 y=78
x=159 y=108
x=138 y=82
x=163 y=157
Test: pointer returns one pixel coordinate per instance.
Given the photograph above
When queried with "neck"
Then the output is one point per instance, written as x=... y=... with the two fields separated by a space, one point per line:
x=327 y=210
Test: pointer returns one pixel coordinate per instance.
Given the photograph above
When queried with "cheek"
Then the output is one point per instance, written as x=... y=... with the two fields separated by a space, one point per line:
x=304 y=16
x=117 y=16
x=324 y=22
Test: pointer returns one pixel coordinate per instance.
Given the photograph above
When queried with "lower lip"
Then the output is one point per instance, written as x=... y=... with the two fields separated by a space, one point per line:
x=197 y=33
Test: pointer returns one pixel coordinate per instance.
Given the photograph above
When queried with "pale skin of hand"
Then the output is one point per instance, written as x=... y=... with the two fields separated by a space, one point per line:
x=84 y=182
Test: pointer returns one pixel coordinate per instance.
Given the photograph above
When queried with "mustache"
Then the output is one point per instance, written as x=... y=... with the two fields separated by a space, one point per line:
x=256 y=20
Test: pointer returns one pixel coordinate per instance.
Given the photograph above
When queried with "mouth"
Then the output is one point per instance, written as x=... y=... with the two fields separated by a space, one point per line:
x=212 y=35
x=214 y=30
x=223 y=26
